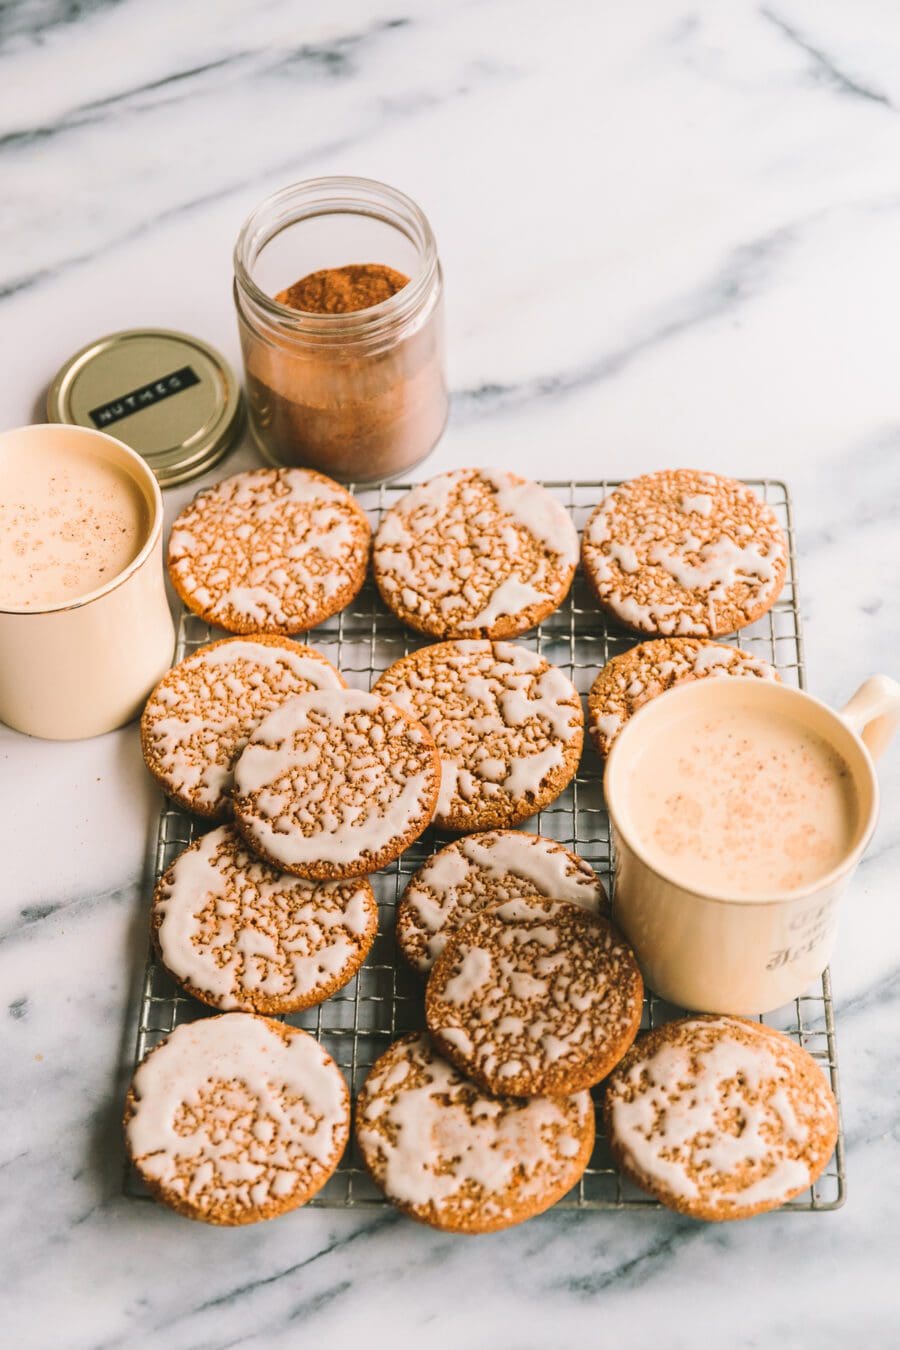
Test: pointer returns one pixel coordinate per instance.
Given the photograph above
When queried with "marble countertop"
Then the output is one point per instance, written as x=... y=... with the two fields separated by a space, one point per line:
x=671 y=235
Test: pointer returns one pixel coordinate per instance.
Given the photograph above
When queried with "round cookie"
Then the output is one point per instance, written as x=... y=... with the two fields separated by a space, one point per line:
x=534 y=997
x=199 y=717
x=270 y=551
x=238 y=934
x=484 y=869
x=720 y=1118
x=475 y=553
x=635 y=677
x=686 y=554
x=335 y=784
x=508 y=725
x=460 y=1160
x=236 y=1118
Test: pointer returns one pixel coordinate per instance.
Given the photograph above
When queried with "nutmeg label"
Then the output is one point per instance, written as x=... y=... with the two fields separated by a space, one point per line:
x=127 y=404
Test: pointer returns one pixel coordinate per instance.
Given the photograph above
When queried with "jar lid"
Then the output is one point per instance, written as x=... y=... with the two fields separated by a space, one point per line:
x=169 y=396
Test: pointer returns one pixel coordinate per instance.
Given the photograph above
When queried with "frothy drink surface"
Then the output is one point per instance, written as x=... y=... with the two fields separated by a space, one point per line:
x=742 y=803
x=69 y=522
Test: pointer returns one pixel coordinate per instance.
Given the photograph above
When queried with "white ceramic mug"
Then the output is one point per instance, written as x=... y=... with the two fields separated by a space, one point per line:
x=720 y=955
x=85 y=666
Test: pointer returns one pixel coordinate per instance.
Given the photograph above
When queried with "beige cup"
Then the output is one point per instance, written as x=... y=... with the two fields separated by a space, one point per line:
x=710 y=953
x=85 y=666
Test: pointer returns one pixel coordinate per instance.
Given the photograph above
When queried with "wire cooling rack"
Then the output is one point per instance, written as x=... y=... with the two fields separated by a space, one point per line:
x=385 y=998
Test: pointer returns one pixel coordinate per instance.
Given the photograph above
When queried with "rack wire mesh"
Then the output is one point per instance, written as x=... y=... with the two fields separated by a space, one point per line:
x=385 y=998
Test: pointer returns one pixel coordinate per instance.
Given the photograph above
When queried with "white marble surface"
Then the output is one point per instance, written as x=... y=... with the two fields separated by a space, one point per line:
x=671 y=234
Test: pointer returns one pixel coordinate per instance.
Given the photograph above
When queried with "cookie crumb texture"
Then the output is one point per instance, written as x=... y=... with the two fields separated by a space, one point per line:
x=236 y=1118
x=720 y=1118
x=683 y=553
x=635 y=677
x=535 y=997
x=475 y=553
x=508 y=726
x=199 y=717
x=453 y=1157
x=238 y=934
x=485 y=869
x=270 y=551
x=335 y=784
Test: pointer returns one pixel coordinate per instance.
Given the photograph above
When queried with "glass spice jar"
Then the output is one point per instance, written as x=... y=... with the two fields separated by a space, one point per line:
x=361 y=396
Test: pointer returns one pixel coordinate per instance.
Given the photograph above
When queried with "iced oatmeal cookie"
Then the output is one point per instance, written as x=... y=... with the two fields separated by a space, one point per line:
x=270 y=551
x=480 y=870
x=236 y=1118
x=534 y=997
x=199 y=717
x=720 y=1118
x=475 y=553
x=335 y=784
x=508 y=726
x=454 y=1157
x=686 y=554
x=633 y=678
x=239 y=934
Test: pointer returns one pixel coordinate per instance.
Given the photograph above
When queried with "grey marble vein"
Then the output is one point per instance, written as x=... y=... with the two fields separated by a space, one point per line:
x=333 y=60
x=32 y=917
x=95 y=110
x=732 y=283
x=33 y=20
x=824 y=66
x=390 y=110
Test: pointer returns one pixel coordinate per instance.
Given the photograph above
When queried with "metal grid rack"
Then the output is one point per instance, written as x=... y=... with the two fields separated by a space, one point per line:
x=385 y=998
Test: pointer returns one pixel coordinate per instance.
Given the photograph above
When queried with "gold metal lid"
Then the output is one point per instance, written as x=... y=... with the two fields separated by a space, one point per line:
x=171 y=397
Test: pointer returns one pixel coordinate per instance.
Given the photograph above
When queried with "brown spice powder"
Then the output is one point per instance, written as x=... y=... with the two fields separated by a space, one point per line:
x=343 y=290
x=357 y=410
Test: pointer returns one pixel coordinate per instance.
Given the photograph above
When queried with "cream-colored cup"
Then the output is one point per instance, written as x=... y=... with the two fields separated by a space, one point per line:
x=84 y=666
x=712 y=953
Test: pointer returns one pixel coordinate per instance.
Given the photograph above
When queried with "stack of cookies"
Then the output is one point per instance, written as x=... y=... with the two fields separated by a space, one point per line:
x=531 y=995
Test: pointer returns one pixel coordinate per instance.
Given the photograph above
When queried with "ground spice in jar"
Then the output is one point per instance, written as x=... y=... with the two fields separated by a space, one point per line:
x=343 y=290
x=362 y=400
x=345 y=368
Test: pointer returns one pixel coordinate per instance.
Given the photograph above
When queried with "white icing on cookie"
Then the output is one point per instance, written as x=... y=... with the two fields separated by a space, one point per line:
x=483 y=869
x=526 y=775
x=609 y=725
x=716 y=1116
x=502 y=718
x=545 y=992
x=474 y=547
x=625 y=556
x=720 y=566
x=699 y=502
x=270 y=549
x=473 y=973
x=334 y=777
x=202 y=712
x=432 y=1138
x=509 y=597
x=533 y=506
x=230 y=1113
x=685 y=554
x=238 y=931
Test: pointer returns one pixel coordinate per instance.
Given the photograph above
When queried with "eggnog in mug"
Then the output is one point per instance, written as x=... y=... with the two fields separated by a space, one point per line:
x=740 y=809
x=744 y=803
x=69 y=523
x=85 y=628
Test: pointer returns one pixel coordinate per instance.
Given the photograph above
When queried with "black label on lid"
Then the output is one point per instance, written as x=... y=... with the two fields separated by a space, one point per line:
x=155 y=392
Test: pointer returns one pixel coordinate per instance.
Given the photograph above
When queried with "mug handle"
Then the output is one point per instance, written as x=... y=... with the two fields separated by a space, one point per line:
x=873 y=713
